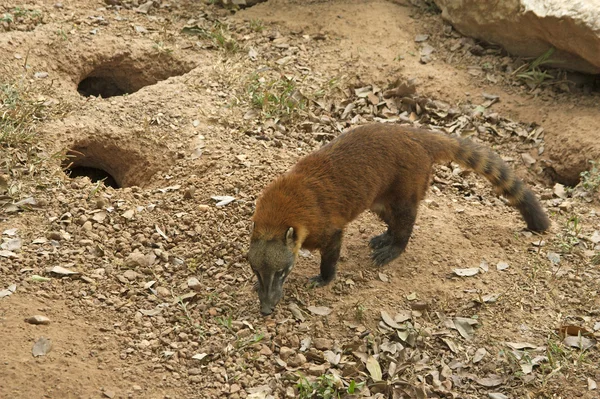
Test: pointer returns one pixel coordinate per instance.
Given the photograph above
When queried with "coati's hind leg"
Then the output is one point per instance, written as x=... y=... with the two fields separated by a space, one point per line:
x=330 y=253
x=402 y=220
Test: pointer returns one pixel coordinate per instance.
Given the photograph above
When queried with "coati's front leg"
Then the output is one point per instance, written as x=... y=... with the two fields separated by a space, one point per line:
x=400 y=226
x=330 y=253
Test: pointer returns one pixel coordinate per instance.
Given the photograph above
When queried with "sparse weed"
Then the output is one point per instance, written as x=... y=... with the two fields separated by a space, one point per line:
x=533 y=74
x=568 y=239
x=218 y=33
x=256 y=338
x=188 y=318
x=162 y=48
x=590 y=179
x=17 y=114
x=226 y=322
x=359 y=311
x=19 y=15
x=325 y=386
x=257 y=25
x=276 y=98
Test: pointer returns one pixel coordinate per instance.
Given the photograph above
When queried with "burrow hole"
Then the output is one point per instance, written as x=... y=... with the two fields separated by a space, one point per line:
x=123 y=75
x=107 y=162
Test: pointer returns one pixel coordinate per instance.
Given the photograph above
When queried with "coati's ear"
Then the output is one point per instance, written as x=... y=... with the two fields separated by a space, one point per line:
x=289 y=237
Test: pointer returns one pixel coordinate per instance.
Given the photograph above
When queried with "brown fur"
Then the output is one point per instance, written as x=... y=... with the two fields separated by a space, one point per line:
x=385 y=168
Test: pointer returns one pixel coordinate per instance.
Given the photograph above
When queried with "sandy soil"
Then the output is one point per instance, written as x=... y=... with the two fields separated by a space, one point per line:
x=209 y=102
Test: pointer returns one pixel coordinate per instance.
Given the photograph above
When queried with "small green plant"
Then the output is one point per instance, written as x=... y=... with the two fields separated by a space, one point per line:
x=226 y=322
x=218 y=33
x=257 y=25
x=256 y=338
x=7 y=17
x=276 y=98
x=325 y=386
x=162 y=48
x=533 y=74
x=568 y=238
x=21 y=15
x=359 y=311
x=590 y=179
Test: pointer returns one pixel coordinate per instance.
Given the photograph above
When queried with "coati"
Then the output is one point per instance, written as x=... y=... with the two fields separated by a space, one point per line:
x=381 y=167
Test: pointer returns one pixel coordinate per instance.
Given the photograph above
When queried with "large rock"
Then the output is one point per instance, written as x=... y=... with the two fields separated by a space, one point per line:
x=530 y=27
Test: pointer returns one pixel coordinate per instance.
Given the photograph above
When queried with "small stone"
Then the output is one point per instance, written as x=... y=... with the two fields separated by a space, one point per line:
x=566 y=206
x=265 y=350
x=203 y=208
x=212 y=311
x=163 y=292
x=55 y=235
x=317 y=370
x=101 y=203
x=109 y=394
x=322 y=343
x=194 y=284
x=87 y=226
x=285 y=352
x=297 y=360
x=289 y=392
x=38 y=319
x=189 y=193
x=130 y=275
x=234 y=388
x=136 y=388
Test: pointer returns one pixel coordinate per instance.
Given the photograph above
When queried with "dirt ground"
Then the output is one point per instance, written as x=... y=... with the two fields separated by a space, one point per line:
x=199 y=105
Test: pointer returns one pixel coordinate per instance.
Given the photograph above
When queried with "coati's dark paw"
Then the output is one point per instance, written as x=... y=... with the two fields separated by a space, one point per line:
x=380 y=241
x=319 y=281
x=383 y=256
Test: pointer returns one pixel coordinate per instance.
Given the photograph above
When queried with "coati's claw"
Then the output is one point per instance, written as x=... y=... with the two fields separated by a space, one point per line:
x=384 y=255
x=318 y=281
x=380 y=241
x=255 y=286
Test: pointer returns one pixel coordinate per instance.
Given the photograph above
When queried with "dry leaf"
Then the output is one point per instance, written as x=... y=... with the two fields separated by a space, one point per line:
x=573 y=330
x=223 y=200
x=319 y=310
x=451 y=344
x=61 y=271
x=9 y=291
x=479 y=354
x=582 y=343
x=490 y=381
x=41 y=347
x=403 y=316
x=466 y=272
x=389 y=320
x=591 y=384
x=199 y=356
x=520 y=345
x=374 y=369
x=502 y=266
x=465 y=326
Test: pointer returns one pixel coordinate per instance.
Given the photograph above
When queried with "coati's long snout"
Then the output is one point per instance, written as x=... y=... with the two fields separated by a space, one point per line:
x=271 y=260
x=381 y=167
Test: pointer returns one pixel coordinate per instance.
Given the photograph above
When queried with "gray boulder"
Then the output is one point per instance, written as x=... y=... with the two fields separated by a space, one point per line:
x=529 y=28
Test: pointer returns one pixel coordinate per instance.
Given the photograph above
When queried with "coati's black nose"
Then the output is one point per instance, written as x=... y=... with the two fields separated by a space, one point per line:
x=266 y=310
